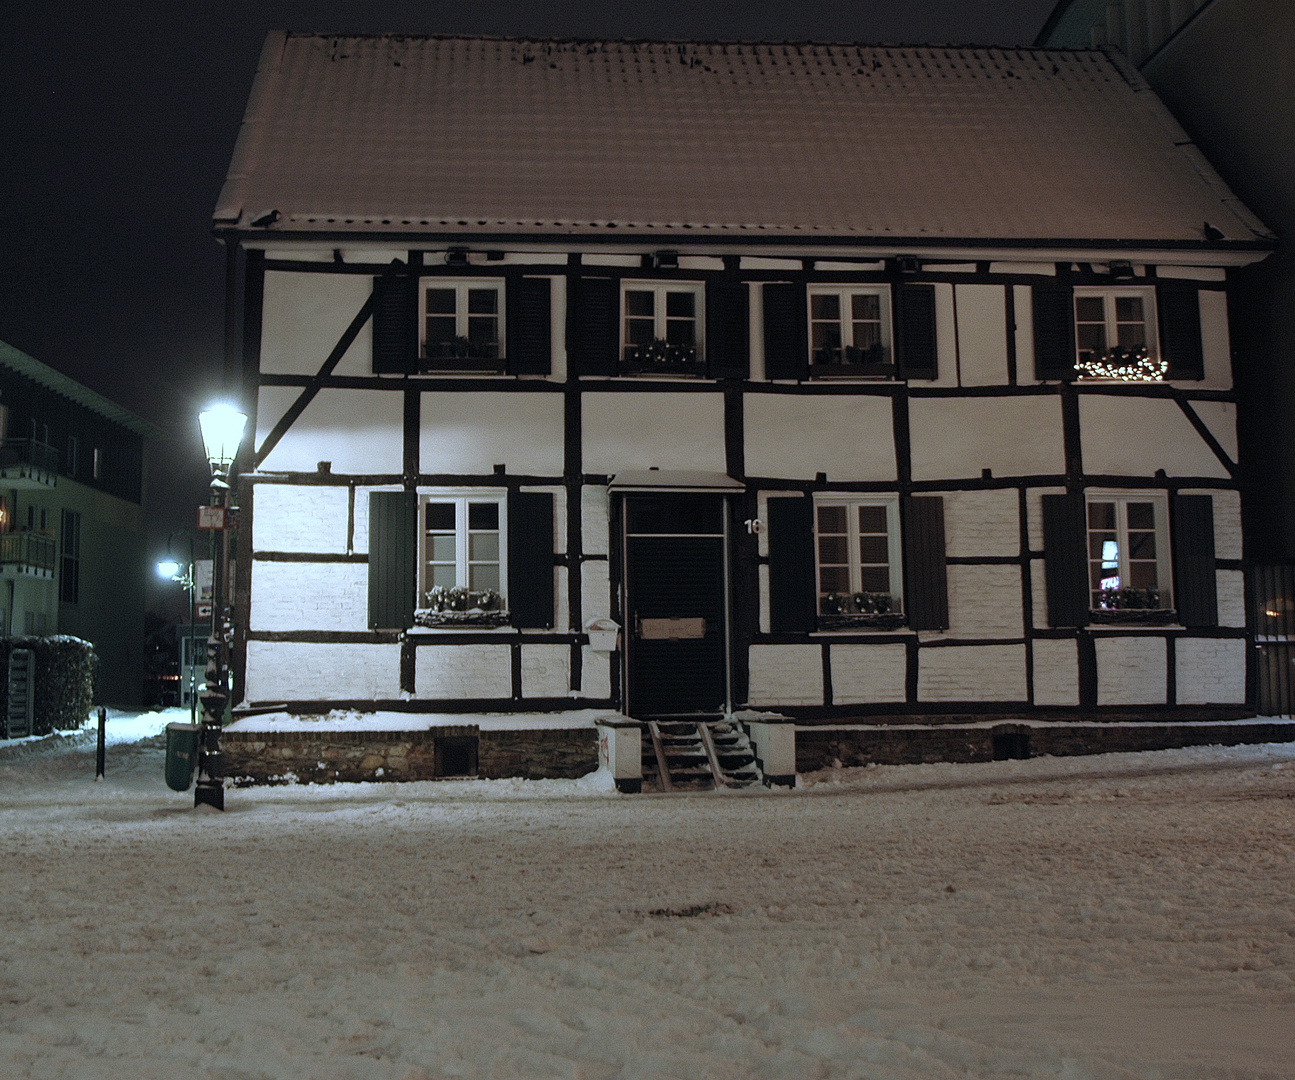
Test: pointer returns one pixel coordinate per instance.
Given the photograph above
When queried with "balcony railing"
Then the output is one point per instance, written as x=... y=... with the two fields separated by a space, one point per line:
x=28 y=454
x=28 y=550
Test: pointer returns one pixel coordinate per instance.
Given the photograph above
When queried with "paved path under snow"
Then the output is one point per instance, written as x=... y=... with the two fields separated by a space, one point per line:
x=1108 y=917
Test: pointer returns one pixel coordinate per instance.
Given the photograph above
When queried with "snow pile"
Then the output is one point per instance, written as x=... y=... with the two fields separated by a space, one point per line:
x=1090 y=918
x=352 y=720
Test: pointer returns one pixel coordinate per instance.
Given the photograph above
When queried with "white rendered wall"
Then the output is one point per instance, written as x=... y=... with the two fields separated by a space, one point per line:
x=957 y=438
x=1210 y=671
x=1125 y=436
x=546 y=671
x=360 y=541
x=595 y=677
x=785 y=675
x=641 y=430
x=595 y=529
x=595 y=590
x=1023 y=309
x=982 y=523
x=463 y=671
x=868 y=674
x=309 y=596
x=470 y=433
x=303 y=316
x=985 y=602
x=359 y=431
x=289 y=517
x=1056 y=671
x=849 y=438
x=972 y=673
x=1231 y=587
x=296 y=671
x=1215 y=343
x=982 y=334
x=1131 y=670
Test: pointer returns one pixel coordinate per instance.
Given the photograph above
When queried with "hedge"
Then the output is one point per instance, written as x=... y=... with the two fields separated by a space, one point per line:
x=65 y=670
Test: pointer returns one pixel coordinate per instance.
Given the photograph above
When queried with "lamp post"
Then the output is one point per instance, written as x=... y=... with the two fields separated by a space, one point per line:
x=184 y=576
x=222 y=431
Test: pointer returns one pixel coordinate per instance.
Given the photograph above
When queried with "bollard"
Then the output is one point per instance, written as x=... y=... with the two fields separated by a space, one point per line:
x=98 y=760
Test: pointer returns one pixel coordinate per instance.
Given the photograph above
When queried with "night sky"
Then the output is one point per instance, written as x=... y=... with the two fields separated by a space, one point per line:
x=117 y=125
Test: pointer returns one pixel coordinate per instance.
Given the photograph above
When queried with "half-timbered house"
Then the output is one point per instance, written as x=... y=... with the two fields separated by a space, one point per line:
x=858 y=384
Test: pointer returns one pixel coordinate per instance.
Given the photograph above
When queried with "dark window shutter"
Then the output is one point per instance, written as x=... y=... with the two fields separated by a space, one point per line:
x=1180 y=330
x=926 y=584
x=1065 y=534
x=1195 y=581
x=786 y=343
x=595 y=329
x=1054 y=332
x=395 y=324
x=792 y=580
x=915 y=351
x=728 y=330
x=530 y=558
x=393 y=543
x=530 y=326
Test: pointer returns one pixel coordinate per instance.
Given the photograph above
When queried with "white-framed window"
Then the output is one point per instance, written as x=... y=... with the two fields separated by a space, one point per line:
x=1128 y=552
x=462 y=319
x=1115 y=334
x=662 y=323
x=849 y=325
x=462 y=546
x=856 y=544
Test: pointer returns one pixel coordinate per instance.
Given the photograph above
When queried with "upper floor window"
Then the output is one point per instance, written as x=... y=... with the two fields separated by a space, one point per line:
x=1115 y=334
x=462 y=323
x=849 y=330
x=662 y=327
x=73 y=450
x=857 y=545
x=1128 y=553
x=463 y=542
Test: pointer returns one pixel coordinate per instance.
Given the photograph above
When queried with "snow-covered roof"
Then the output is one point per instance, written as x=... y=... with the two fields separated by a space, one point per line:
x=446 y=135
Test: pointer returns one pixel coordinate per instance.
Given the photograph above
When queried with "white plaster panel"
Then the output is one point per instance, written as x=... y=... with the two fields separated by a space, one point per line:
x=1193 y=273
x=985 y=602
x=595 y=674
x=1045 y=269
x=1131 y=670
x=359 y=431
x=642 y=430
x=864 y=674
x=1128 y=436
x=558 y=329
x=360 y=541
x=562 y=597
x=946 y=339
x=785 y=675
x=755 y=328
x=849 y=438
x=295 y=671
x=1227 y=520
x=595 y=590
x=1039 y=592
x=1221 y=418
x=304 y=315
x=766 y=618
x=1210 y=671
x=471 y=433
x=980 y=523
x=1034 y=513
x=1023 y=310
x=463 y=671
x=595 y=527
x=972 y=673
x=546 y=671
x=958 y=437
x=1231 y=586
x=1056 y=672
x=289 y=517
x=982 y=334
x=309 y=596
x=1216 y=345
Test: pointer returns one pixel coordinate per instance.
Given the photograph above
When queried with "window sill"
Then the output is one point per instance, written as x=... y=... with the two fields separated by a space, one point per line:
x=462 y=365
x=462 y=628
x=871 y=372
x=461 y=620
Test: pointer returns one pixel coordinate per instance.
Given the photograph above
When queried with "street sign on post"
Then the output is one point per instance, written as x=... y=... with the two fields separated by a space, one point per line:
x=211 y=517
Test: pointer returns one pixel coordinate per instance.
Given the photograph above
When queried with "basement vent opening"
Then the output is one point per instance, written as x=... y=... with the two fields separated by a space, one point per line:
x=456 y=755
x=1011 y=745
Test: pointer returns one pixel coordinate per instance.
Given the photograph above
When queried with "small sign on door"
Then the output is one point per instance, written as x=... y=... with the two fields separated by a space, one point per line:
x=672 y=629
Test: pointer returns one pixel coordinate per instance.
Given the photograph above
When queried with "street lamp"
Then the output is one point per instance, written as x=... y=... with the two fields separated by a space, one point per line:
x=222 y=430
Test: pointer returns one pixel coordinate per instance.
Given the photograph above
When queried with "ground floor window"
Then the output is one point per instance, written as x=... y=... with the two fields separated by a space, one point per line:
x=463 y=552
x=69 y=578
x=857 y=546
x=1128 y=553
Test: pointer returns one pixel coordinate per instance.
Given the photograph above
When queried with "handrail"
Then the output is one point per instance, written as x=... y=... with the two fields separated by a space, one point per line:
x=28 y=549
x=31 y=452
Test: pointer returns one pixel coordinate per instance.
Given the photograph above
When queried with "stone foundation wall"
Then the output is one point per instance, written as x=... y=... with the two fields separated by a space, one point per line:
x=327 y=757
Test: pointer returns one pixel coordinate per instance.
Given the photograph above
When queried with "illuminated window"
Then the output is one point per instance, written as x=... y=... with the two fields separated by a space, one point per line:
x=857 y=545
x=1128 y=556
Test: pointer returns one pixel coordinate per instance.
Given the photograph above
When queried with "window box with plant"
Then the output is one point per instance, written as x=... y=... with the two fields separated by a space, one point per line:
x=458 y=606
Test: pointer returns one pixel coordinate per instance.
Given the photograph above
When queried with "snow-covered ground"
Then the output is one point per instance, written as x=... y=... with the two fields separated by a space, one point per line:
x=1129 y=915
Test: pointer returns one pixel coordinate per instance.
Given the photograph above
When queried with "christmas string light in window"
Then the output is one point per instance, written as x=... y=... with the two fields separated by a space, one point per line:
x=1123 y=365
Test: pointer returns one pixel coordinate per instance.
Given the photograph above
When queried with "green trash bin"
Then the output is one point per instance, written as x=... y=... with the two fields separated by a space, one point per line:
x=181 y=755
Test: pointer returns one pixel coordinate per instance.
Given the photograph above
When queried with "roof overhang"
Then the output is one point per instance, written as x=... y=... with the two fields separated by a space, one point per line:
x=684 y=480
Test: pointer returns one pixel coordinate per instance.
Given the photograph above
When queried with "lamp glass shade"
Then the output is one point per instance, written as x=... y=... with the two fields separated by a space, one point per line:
x=222 y=431
x=168 y=569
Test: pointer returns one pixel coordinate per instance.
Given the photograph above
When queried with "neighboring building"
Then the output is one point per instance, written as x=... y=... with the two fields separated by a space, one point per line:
x=71 y=519
x=851 y=382
x=1226 y=69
